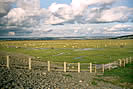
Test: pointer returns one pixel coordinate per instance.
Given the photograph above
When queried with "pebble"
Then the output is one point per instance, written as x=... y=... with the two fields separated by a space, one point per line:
x=80 y=81
x=44 y=73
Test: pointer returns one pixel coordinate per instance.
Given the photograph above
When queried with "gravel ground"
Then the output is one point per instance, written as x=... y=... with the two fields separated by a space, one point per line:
x=38 y=79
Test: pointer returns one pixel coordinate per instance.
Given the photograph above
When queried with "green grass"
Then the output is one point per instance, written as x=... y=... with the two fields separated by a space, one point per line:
x=122 y=76
x=64 y=50
x=94 y=82
x=124 y=73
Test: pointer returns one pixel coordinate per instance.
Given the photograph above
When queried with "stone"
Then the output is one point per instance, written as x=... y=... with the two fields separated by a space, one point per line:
x=80 y=81
x=44 y=73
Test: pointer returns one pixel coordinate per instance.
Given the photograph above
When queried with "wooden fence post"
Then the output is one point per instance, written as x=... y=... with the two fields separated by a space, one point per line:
x=95 y=68
x=120 y=62
x=48 y=66
x=64 y=66
x=78 y=67
x=7 y=60
x=126 y=60
x=103 y=68
x=90 y=67
x=29 y=63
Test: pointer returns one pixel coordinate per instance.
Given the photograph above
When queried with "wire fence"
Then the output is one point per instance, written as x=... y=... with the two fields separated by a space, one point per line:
x=31 y=63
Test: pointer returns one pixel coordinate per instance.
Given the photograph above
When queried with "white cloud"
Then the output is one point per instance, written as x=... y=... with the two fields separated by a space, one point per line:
x=77 y=4
x=66 y=30
x=76 y=12
x=11 y=33
x=7 y=1
x=55 y=7
x=119 y=29
x=79 y=12
x=19 y=16
x=120 y=26
x=119 y=14
x=60 y=13
x=16 y=14
x=29 y=14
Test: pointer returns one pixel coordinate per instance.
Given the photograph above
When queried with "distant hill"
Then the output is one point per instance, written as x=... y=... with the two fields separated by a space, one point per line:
x=67 y=38
x=123 y=37
x=28 y=38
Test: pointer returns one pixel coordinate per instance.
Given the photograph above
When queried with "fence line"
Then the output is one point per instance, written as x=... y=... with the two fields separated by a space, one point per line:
x=66 y=67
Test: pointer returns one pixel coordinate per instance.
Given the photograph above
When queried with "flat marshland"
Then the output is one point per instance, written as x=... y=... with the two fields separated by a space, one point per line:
x=84 y=51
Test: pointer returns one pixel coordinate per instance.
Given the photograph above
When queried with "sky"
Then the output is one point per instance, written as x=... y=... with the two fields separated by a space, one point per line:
x=47 y=3
x=65 y=18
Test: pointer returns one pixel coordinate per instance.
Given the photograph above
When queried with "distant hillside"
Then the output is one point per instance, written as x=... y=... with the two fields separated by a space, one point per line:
x=67 y=38
x=53 y=38
x=124 y=37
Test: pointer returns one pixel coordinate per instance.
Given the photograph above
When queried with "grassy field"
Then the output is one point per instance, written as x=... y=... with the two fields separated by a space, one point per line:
x=84 y=51
x=122 y=76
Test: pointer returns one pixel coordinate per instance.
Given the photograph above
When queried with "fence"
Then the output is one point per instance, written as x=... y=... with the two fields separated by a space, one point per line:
x=11 y=62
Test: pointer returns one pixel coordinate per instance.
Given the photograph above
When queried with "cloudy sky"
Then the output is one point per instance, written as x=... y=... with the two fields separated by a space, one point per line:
x=63 y=18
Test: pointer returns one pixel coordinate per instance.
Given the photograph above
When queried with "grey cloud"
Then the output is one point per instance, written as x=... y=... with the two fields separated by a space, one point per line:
x=119 y=29
x=26 y=12
x=28 y=4
x=5 y=6
x=21 y=17
x=19 y=31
